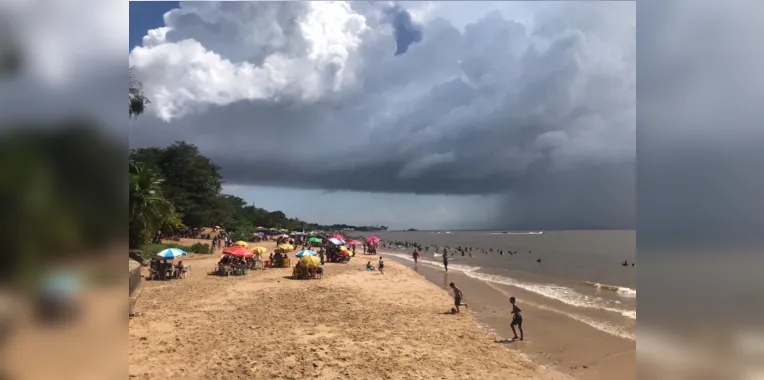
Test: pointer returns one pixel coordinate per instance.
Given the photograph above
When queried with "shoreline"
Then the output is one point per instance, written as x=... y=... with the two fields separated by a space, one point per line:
x=555 y=336
x=351 y=324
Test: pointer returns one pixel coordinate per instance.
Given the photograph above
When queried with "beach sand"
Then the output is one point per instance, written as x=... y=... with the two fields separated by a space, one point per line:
x=352 y=324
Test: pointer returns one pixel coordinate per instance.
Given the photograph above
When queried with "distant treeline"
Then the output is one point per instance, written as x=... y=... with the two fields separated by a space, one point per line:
x=177 y=187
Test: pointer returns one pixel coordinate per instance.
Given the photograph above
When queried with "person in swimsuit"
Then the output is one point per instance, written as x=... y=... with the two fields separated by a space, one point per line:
x=457 y=297
x=517 y=319
x=381 y=265
x=416 y=256
x=445 y=261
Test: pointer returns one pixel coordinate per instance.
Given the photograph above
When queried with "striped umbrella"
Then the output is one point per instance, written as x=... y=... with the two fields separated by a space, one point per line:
x=171 y=253
x=336 y=241
x=306 y=252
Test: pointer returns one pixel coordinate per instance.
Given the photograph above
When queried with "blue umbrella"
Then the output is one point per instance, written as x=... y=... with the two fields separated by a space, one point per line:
x=306 y=252
x=171 y=253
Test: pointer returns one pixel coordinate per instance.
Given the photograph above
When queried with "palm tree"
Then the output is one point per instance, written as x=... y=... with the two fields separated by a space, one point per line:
x=136 y=100
x=149 y=210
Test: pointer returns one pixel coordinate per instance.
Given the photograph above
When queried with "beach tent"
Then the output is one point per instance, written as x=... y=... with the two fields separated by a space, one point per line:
x=336 y=241
x=171 y=253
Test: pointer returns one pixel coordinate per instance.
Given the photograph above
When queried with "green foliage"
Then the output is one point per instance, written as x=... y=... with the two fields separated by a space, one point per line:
x=136 y=99
x=150 y=250
x=191 y=181
x=58 y=192
x=149 y=210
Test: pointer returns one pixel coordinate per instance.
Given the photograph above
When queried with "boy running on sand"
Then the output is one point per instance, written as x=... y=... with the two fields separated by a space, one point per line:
x=457 y=297
x=517 y=319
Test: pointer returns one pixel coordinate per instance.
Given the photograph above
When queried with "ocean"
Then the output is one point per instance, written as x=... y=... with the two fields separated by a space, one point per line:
x=580 y=274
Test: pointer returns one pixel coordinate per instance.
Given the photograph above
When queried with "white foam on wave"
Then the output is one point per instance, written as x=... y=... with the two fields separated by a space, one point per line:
x=518 y=233
x=621 y=290
x=556 y=292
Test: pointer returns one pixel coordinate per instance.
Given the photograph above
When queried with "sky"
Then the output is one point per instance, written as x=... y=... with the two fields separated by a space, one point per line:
x=427 y=115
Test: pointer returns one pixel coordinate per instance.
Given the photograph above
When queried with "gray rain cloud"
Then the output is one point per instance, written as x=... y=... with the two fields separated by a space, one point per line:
x=543 y=115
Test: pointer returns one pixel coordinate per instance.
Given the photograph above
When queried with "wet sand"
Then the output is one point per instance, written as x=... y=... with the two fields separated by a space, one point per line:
x=552 y=338
x=352 y=324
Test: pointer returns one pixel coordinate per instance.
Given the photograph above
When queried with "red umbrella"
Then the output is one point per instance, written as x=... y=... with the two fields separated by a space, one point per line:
x=338 y=236
x=354 y=242
x=238 y=251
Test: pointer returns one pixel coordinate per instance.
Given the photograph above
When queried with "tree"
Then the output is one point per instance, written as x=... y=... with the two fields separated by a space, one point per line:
x=136 y=99
x=149 y=211
x=192 y=182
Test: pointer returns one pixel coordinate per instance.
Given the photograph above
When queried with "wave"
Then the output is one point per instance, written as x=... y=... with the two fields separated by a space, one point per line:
x=556 y=292
x=624 y=291
x=518 y=233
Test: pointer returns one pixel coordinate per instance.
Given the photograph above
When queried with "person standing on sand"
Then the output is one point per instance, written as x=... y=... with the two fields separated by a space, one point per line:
x=517 y=319
x=416 y=256
x=457 y=297
x=445 y=262
x=381 y=265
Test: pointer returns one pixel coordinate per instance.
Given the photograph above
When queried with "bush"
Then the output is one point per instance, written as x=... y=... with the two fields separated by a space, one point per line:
x=150 y=250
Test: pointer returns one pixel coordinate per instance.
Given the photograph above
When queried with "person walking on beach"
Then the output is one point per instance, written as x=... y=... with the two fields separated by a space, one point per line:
x=517 y=319
x=445 y=262
x=416 y=256
x=457 y=297
x=381 y=265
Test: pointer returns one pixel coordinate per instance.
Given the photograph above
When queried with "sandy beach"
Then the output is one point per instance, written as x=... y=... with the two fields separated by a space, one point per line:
x=352 y=324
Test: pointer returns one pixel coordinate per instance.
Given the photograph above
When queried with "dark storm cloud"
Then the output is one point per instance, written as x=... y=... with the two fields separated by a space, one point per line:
x=406 y=32
x=484 y=111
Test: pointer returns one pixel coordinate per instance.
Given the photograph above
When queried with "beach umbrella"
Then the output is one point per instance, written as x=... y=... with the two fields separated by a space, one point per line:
x=310 y=261
x=314 y=240
x=238 y=251
x=171 y=253
x=372 y=239
x=242 y=243
x=336 y=241
x=338 y=236
x=286 y=247
x=354 y=242
x=306 y=252
x=343 y=248
x=259 y=250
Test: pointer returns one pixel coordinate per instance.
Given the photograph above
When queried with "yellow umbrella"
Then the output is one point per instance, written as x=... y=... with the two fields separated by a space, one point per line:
x=242 y=243
x=343 y=248
x=260 y=250
x=310 y=261
x=286 y=247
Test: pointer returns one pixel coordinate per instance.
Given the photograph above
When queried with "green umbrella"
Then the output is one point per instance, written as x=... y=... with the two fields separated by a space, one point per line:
x=314 y=240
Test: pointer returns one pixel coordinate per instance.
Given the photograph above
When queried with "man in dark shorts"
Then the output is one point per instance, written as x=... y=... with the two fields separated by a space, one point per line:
x=517 y=319
x=445 y=262
x=457 y=297
x=416 y=255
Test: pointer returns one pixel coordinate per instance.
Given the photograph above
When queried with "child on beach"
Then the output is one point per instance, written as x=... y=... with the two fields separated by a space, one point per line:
x=416 y=255
x=517 y=319
x=381 y=265
x=369 y=267
x=457 y=297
